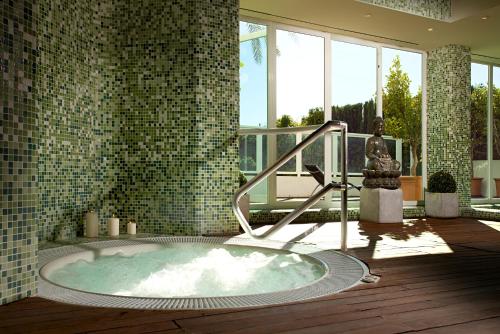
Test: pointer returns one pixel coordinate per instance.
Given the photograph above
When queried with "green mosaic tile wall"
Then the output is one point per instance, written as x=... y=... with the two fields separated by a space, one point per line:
x=18 y=200
x=433 y=9
x=448 y=115
x=141 y=119
x=119 y=106
x=67 y=114
x=178 y=116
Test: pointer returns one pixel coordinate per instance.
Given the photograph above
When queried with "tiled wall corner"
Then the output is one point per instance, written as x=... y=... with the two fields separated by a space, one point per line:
x=18 y=135
x=448 y=116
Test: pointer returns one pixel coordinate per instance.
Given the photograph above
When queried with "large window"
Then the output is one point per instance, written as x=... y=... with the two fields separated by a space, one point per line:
x=485 y=132
x=293 y=77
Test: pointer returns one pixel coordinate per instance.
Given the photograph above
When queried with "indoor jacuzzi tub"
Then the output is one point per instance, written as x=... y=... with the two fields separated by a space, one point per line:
x=193 y=273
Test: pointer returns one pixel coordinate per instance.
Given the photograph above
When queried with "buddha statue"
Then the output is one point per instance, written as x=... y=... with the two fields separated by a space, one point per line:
x=381 y=170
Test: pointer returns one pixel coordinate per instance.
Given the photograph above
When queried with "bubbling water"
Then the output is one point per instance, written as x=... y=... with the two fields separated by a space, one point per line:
x=191 y=270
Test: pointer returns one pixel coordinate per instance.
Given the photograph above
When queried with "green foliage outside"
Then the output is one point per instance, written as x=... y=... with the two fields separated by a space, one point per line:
x=242 y=179
x=479 y=122
x=402 y=111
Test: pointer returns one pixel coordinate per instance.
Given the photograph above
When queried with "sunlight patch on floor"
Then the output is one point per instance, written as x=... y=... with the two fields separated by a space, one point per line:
x=492 y=224
x=411 y=238
x=425 y=243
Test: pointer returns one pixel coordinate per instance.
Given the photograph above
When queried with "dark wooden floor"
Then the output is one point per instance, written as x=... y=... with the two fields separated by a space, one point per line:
x=436 y=277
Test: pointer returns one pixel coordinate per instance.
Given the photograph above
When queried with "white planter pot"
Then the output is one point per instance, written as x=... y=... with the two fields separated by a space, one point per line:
x=244 y=204
x=441 y=205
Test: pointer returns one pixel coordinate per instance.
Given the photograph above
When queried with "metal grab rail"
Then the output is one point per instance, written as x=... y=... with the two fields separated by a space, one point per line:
x=342 y=186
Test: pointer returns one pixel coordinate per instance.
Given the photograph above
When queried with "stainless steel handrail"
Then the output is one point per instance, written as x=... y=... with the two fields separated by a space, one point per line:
x=342 y=186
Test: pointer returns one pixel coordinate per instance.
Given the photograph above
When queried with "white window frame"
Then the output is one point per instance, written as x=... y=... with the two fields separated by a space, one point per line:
x=490 y=191
x=271 y=105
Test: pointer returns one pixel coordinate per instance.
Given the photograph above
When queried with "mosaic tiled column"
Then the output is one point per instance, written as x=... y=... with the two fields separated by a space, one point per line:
x=448 y=115
x=18 y=141
x=178 y=116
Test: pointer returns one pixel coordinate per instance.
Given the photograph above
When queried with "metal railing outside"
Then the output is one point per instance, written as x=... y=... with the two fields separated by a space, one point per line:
x=341 y=186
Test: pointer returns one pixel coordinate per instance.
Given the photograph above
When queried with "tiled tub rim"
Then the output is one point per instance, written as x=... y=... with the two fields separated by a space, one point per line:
x=347 y=272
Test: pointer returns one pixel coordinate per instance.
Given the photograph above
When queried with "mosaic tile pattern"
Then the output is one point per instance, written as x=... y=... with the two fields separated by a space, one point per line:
x=433 y=9
x=143 y=120
x=18 y=250
x=330 y=215
x=178 y=116
x=67 y=111
x=448 y=116
x=133 y=110
x=480 y=213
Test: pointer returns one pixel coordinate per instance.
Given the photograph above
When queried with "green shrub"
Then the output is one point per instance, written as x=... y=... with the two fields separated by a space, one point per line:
x=242 y=179
x=442 y=182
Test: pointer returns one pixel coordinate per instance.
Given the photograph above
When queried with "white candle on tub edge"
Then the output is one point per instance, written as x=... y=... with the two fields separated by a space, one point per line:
x=113 y=226
x=131 y=228
x=91 y=224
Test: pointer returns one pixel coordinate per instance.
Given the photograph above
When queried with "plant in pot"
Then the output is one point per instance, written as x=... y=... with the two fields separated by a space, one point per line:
x=441 y=198
x=244 y=202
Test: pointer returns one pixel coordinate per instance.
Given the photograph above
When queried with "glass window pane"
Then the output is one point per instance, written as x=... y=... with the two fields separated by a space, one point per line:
x=495 y=168
x=479 y=129
x=253 y=75
x=496 y=116
x=479 y=110
x=354 y=88
x=356 y=155
x=248 y=153
x=402 y=113
x=299 y=102
x=285 y=143
x=314 y=154
x=299 y=77
x=253 y=103
x=354 y=85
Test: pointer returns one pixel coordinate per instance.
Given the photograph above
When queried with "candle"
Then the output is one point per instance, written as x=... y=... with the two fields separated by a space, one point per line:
x=113 y=226
x=131 y=227
x=91 y=224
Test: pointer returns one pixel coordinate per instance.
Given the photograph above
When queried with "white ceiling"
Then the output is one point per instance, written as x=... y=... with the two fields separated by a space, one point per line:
x=348 y=17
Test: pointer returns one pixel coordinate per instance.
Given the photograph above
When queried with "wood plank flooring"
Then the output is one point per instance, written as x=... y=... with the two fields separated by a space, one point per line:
x=436 y=276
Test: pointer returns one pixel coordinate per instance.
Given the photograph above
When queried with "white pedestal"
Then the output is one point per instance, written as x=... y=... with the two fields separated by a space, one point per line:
x=441 y=205
x=381 y=205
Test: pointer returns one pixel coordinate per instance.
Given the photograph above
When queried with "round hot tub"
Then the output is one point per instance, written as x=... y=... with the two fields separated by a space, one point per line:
x=193 y=273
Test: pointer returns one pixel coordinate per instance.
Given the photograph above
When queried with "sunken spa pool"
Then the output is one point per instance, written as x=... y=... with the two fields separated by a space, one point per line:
x=193 y=273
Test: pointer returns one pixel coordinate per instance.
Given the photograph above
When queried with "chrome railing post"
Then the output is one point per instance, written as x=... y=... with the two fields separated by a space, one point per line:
x=343 y=194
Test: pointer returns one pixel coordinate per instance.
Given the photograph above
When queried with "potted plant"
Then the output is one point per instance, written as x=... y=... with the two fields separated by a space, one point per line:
x=244 y=202
x=441 y=198
x=475 y=187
